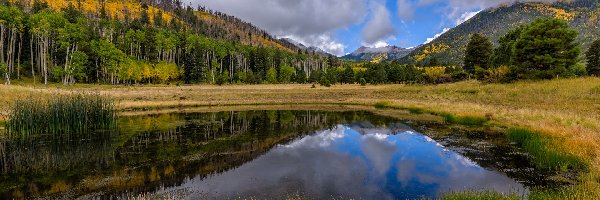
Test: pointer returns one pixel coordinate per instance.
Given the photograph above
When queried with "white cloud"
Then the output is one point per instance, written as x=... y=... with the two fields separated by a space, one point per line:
x=456 y=8
x=436 y=35
x=405 y=10
x=310 y=22
x=378 y=44
x=466 y=16
x=380 y=27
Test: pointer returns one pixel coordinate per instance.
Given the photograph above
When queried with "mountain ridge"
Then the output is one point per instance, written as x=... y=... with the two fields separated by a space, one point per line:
x=378 y=54
x=449 y=47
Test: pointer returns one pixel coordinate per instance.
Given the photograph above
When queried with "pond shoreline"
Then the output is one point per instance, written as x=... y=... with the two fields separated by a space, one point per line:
x=563 y=110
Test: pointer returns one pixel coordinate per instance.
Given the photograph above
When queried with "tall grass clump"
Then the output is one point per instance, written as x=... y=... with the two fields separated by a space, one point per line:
x=544 y=157
x=63 y=114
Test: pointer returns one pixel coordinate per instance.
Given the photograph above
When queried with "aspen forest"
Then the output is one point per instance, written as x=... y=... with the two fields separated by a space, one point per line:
x=75 y=45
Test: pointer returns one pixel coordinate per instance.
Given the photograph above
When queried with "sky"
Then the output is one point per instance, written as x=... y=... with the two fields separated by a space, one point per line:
x=342 y=26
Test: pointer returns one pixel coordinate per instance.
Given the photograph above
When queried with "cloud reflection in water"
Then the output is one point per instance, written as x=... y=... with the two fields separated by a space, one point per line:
x=353 y=161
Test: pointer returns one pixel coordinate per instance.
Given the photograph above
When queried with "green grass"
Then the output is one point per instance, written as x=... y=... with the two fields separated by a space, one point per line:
x=538 y=147
x=464 y=120
x=383 y=105
x=415 y=110
x=62 y=114
x=479 y=196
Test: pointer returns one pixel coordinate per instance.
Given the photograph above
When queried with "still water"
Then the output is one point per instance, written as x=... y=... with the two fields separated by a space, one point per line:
x=262 y=154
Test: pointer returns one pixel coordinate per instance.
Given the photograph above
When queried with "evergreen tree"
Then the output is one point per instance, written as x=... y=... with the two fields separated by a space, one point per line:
x=348 y=75
x=504 y=53
x=300 y=76
x=546 y=48
x=479 y=52
x=144 y=17
x=593 y=59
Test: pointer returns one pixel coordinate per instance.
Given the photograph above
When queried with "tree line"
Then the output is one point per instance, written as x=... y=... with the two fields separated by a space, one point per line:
x=70 y=46
x=543 y=49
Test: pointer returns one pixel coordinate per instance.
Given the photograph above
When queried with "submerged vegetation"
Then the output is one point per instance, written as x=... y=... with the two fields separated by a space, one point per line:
x=63 y=114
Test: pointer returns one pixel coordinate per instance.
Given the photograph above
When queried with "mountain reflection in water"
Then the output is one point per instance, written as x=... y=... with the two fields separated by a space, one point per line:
x=353 y=161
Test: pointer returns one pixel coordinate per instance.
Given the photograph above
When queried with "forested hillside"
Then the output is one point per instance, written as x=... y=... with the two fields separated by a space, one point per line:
x=449 y=48
x=124 y=42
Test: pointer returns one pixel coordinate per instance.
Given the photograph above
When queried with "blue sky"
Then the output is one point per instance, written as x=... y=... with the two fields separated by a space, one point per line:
x=341 y=26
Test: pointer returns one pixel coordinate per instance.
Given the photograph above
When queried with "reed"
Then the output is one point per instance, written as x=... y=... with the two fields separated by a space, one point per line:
x=61 y=114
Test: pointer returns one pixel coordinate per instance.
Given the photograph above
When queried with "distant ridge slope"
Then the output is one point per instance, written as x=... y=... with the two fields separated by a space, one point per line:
x=378 y=54
x=213 y=24
x=449 y=48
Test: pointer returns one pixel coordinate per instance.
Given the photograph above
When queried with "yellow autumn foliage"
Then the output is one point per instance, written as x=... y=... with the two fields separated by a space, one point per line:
x=431 y=49
x=115 y=9
x=556 y=12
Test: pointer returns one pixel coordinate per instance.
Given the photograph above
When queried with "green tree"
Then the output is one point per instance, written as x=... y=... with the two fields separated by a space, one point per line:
x=593 y=59
x=479 y=52
x=77 y=67
x=285 y=73
x=109 y=58
x=376 y=74
x=300 y=76
x=223 y=78
x=315 y=76
x=348 y=75
x=546 y=48
x=271 y=76
x=504 y=53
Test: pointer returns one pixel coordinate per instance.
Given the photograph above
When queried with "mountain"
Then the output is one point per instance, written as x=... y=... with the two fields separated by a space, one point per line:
x=378 y=54
x=301 y=46
x=449 y=48
x=213 y=24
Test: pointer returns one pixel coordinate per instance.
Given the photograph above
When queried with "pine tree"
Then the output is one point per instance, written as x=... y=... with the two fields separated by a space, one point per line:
x=593 y=59
x=546 y=48
x=479 y=52
x=504 y=53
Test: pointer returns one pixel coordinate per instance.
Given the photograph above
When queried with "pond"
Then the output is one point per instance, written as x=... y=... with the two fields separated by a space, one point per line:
x=265 y=154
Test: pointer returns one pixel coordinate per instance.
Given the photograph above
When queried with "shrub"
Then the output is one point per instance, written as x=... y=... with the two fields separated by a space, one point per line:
x=495 y=75
x=578 y=70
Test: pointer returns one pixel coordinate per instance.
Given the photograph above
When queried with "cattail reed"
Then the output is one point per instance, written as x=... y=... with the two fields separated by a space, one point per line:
x=63 y=114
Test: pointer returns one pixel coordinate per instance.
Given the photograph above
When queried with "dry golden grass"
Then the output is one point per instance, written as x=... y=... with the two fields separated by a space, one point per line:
x=567 y=110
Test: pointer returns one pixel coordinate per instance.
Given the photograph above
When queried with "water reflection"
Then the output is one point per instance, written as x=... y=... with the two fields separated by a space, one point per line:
x=262 y=154
x=353 y=161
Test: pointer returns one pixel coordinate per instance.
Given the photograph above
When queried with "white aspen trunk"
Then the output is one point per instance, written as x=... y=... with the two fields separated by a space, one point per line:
x=45 y=60
x=2 y=43
x=19 y=56
x=31 y=57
